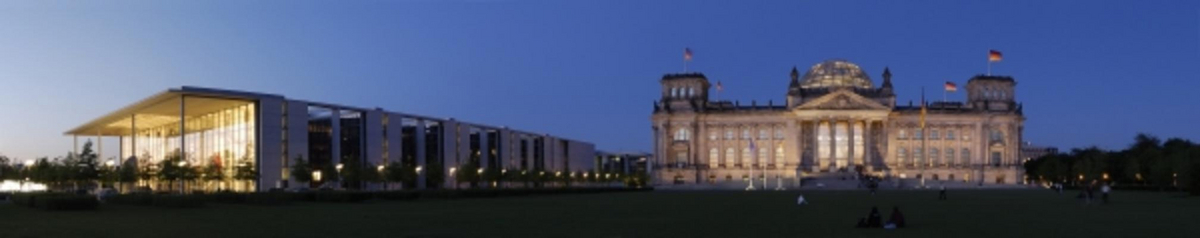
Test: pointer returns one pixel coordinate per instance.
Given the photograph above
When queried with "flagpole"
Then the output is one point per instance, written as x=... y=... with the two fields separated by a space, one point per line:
x=924 y=153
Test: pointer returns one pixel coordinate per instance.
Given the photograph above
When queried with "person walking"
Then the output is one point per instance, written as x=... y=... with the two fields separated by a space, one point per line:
x=942 y=193
x=1104 y=193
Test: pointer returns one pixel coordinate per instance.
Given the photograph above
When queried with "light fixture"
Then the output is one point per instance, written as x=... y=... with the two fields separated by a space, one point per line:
x=110 y=163
x=316 y=175
x=339 y=167
x=28 y=162
x=182 y=163
x=452 y=170
x=419 y=169
x=480 y=170
x=379 y=168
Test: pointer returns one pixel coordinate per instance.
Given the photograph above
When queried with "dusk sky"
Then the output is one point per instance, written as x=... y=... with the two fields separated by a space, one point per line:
x=1088 y=72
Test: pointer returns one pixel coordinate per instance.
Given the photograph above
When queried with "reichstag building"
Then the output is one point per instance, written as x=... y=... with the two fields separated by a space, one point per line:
x=835 y=123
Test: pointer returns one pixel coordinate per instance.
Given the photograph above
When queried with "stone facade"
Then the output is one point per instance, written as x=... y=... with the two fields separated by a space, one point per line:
x=835 y=122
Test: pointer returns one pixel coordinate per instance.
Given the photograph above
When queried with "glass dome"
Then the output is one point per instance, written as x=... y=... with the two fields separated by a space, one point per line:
x=835 y=73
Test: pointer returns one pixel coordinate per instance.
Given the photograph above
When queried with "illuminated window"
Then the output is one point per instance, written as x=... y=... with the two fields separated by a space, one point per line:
x=779 y=157
x=729 y=156
x=729 y=134
x=823 y=137
x=950 y=157
x=764 y=157
x=902 y=156
x=934 y=157
x=682 y=134
x=745 y=157
x=713 y=159
x=778 y=133
x=712 y=135
x=902 y=135
x=966 y=156
x=918 y=156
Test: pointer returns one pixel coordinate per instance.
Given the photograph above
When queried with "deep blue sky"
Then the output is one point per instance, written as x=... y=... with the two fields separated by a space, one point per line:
x=1089 y=72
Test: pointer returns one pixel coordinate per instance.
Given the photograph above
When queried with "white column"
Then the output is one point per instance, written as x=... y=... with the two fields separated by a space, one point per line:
x=421 y=153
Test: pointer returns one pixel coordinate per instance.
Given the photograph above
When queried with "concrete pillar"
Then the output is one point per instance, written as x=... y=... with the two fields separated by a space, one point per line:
x=420 y=153
x=270 y=159
x=373 y=140
x=335 y=142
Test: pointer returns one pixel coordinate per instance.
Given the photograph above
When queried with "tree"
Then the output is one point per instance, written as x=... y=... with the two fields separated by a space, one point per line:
x=301 y=171
x=128 y=171
x=370 y=174
x=85 y=166
x=395 y=172
x=245 y=172
x=172 y=169
x=329 y=173
x=8 y=171
x=469 y=173
x=212 y=172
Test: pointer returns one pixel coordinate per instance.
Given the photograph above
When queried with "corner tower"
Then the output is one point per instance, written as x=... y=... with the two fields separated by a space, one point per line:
x=687 y=91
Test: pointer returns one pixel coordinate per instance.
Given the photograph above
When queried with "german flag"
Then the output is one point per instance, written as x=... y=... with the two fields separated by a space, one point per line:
x=951 y=87
x=994 y=56
x=687 y=54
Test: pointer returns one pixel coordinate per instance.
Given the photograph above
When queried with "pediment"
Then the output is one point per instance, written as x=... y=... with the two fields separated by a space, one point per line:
x=842 y=100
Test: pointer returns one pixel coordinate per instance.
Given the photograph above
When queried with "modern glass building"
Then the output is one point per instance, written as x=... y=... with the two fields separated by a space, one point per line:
x=234 y=133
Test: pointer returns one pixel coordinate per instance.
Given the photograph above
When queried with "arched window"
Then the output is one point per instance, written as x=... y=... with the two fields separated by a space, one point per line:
x=764 y=158
x=713 y=159
x=950 y=157
x=682 y=134
x=746 y=157
x=966 y=157
x=935 y=157
x=729 y=157
x=918 y=157
x=779 y=157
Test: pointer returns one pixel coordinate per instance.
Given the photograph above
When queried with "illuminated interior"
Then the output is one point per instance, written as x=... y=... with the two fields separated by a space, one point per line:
x=209 y=134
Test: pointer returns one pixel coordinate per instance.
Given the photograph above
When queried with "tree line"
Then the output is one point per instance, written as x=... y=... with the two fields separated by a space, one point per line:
x=1148 y=163
x=84 y=170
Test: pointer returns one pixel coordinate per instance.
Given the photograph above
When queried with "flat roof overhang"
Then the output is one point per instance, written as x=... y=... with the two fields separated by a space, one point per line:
x=163 y=108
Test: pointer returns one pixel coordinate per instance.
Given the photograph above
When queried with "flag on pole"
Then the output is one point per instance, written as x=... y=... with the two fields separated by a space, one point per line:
x=719 y=87
x=923 y=108
x=687 y=54
x=994 y=56
x=951 y=87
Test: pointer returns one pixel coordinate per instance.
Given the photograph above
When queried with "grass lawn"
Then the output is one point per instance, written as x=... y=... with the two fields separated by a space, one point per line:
x=968 y=213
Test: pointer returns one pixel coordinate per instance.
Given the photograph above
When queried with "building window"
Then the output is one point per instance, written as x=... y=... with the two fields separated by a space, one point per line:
x=934 y=157
x=997 y=136
x=949 y=134
x=674 y=92
x=712 y=135
x=902 y=135
x=823 y=136
x=966 y=157
x=779 y=134
x=763 y=157
x=918 y=135
x=745 y=134
x=950 y=157
x=729 y=156
x=745 y=157
x=918 y=156
x=682 y=135
x=713 y=159
x=933 y=135
x=779 y=157
x=901 y=156
x=762 y=134
x=691 y=92
x=996 y=158
x=729 y=134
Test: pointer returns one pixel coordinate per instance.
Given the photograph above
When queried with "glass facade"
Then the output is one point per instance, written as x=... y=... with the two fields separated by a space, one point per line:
x=215 y=134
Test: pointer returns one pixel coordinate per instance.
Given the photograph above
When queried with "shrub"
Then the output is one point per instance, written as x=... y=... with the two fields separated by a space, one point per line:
x=66 y=202
x=24 y=199
x=178 y=201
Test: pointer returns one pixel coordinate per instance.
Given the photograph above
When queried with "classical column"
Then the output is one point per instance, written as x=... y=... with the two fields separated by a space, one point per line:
x=851 y=153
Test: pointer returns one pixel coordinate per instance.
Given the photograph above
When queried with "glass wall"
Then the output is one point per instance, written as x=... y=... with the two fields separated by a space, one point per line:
x=216 y=139
x=320 y=138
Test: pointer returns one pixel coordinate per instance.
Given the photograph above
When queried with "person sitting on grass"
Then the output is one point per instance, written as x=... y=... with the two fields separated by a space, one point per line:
x=897 y=219
x=874 y=220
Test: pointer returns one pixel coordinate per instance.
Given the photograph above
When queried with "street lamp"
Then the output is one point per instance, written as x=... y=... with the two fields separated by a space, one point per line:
x=379 y=168
x=418 y=169
x=339 y=167
x=479 y=171
x=28 y=163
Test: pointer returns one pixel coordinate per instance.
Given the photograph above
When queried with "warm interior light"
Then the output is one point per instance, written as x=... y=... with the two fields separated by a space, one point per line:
x=316 y=176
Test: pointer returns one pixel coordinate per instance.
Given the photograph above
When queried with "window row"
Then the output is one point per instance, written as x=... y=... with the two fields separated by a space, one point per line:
x=683 y=92
x=934 y=157
x=934 y=134
x=747 y=157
